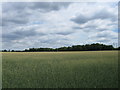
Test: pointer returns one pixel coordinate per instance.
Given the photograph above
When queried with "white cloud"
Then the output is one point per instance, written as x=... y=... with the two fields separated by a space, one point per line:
x=64 y=24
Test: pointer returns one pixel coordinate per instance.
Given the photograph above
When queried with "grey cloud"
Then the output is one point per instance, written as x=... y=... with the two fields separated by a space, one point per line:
x=76 y=28
x=34 y=5
x=104 y=29
x=65 y=33
x=49 y=6
x=55 y=42
x=102 y=14
x=105 y=35
x=18 y=12
x=13 y=21
x=103 y=40
x=49 y=40
x=114 y=37
x=14 y=18
x=26 y=33
x=102 y=35
x=0 y=21
x=9 y=37
x=80 y=19
x=12 y=6
x=91 y=26
x=20 y=35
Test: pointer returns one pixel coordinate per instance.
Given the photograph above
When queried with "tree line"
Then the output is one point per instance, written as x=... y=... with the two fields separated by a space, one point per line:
x=87 y=47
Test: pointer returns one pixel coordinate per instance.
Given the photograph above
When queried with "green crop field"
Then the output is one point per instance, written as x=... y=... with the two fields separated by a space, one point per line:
x=84 y=69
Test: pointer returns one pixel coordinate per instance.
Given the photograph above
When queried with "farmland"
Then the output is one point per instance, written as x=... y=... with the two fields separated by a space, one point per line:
x=85 y=69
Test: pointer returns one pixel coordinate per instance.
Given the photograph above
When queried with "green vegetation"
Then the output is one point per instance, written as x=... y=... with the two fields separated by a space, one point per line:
x=85 y=69
x=86 y=47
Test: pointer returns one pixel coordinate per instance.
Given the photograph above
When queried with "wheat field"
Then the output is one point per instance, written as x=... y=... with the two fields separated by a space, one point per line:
x=82 y=69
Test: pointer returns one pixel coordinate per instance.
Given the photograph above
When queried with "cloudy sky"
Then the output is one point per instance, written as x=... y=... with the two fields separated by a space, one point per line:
x=57 y=24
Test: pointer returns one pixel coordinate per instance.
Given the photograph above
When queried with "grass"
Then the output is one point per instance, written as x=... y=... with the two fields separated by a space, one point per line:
x=85 y=69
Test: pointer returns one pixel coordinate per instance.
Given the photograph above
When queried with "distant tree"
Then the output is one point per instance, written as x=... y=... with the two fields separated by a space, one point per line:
x=12 y=50
x=5 y=50
x=118 y=48
x=87 y=47
x=26 y=50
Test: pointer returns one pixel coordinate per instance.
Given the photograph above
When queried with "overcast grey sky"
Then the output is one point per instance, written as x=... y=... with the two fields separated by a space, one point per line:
x=56 y=24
